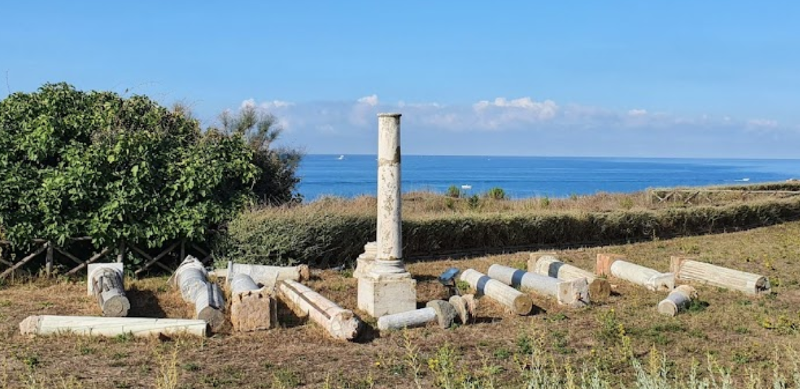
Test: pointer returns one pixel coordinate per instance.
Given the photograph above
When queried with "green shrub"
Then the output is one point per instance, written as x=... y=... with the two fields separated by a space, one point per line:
x=454 y=192
x=496 y=193
x=79 y=163
x=474 y=202
x=322 y=235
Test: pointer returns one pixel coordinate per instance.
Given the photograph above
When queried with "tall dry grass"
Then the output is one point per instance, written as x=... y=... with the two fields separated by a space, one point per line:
x=333 y=231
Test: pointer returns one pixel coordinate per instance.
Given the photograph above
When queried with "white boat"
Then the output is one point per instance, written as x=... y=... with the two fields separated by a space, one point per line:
x=341 y=157
x=466 y=187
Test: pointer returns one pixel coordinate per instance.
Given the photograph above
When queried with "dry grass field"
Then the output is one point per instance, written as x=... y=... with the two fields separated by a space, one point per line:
x=728 y=339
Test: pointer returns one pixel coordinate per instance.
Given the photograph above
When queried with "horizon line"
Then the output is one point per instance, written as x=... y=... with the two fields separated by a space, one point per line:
x=565 y=156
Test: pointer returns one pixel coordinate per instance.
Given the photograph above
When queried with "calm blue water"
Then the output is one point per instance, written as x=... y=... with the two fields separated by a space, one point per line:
x=534 y=176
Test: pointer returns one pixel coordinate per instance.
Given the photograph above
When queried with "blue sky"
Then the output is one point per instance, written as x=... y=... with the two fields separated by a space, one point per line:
x=615 y=78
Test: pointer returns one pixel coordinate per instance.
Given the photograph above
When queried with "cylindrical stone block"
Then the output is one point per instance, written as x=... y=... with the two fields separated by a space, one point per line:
x=408 y=319
x=677 y=300
x=574 y=293
x=242 y=283
x=686 y=269
x=640 y=275
x=548 y=265
x=517 y=301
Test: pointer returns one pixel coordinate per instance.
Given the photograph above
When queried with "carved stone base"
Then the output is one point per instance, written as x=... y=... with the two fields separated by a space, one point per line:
x=380 y=295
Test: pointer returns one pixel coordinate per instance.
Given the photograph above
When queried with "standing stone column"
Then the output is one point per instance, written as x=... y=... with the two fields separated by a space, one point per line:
x=388 y=288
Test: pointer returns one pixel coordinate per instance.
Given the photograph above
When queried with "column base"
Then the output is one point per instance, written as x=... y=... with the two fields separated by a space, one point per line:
x=380 y=295
x=365 y=260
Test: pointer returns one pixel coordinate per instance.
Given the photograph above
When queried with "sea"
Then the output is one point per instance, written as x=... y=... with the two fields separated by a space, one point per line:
x=523 y=177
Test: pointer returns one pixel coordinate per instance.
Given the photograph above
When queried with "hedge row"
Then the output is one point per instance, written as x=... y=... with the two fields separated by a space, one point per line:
x=329 y=238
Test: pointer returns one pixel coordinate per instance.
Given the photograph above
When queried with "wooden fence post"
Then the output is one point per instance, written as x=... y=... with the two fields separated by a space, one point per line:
x=49 y=259
x=121 y=255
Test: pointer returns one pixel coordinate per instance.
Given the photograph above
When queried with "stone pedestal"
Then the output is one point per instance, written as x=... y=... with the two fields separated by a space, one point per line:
x=366 y=259
x=381 y=295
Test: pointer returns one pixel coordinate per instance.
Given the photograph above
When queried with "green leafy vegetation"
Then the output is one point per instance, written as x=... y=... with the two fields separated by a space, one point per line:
x=97 y=164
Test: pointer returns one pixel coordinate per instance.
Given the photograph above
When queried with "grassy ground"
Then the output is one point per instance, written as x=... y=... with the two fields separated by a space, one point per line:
x=747 y=338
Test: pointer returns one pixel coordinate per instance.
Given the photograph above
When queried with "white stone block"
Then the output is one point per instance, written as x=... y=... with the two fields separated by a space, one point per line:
x=379 y=296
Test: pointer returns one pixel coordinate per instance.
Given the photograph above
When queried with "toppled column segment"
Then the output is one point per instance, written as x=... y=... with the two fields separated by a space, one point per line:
x=339 y=322
x=192 y=279
x=252 y=307
x=573 y=293
x=677 y=300
x=105 y=282
x=548 y=265
x=706 y=273
x=267 y=276
x=440 y=311
x=518 y=302
x=614 y=265
x=110 y=326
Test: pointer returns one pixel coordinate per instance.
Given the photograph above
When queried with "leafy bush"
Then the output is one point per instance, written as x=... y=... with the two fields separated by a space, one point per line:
x=454 y=192
x=496 y=193
x=325 y=235
x=77 y=163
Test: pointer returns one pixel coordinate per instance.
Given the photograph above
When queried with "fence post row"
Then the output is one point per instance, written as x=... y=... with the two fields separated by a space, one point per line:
x=50 y=249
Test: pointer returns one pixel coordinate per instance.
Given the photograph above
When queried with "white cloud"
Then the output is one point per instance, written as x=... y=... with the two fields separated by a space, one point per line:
x=543 y=109
x=371 y=100
x=525 y=114
x=266 y=105
x=762 y=123
x=502 y=113
x=276 y=104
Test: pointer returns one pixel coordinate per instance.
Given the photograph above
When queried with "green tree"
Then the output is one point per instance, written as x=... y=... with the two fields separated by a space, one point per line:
x=76 y=163
x=277 y=181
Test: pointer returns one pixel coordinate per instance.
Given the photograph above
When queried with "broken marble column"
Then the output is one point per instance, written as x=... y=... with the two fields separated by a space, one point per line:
x=613 y=265
x=548 y=265
x=466 y=307
x=339 y=322
x=677 y=300
x=388 y=288
x=252 y=307
x=573 y=293
x=266 y=275
x=192 y=279
x=442 y=311
x=366 y=259
x=110 y=326
x=689 y=270
x=105 y=283
x=520 y=303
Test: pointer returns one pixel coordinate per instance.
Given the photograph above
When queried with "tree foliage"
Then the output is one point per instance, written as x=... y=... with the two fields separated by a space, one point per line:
x=277 y=181
x=76 y=163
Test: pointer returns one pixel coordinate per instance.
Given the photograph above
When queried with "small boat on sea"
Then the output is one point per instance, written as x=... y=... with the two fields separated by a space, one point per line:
x=341 y=157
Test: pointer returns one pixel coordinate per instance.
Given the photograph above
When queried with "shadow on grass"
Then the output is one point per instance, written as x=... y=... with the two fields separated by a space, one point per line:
x=144 y=304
